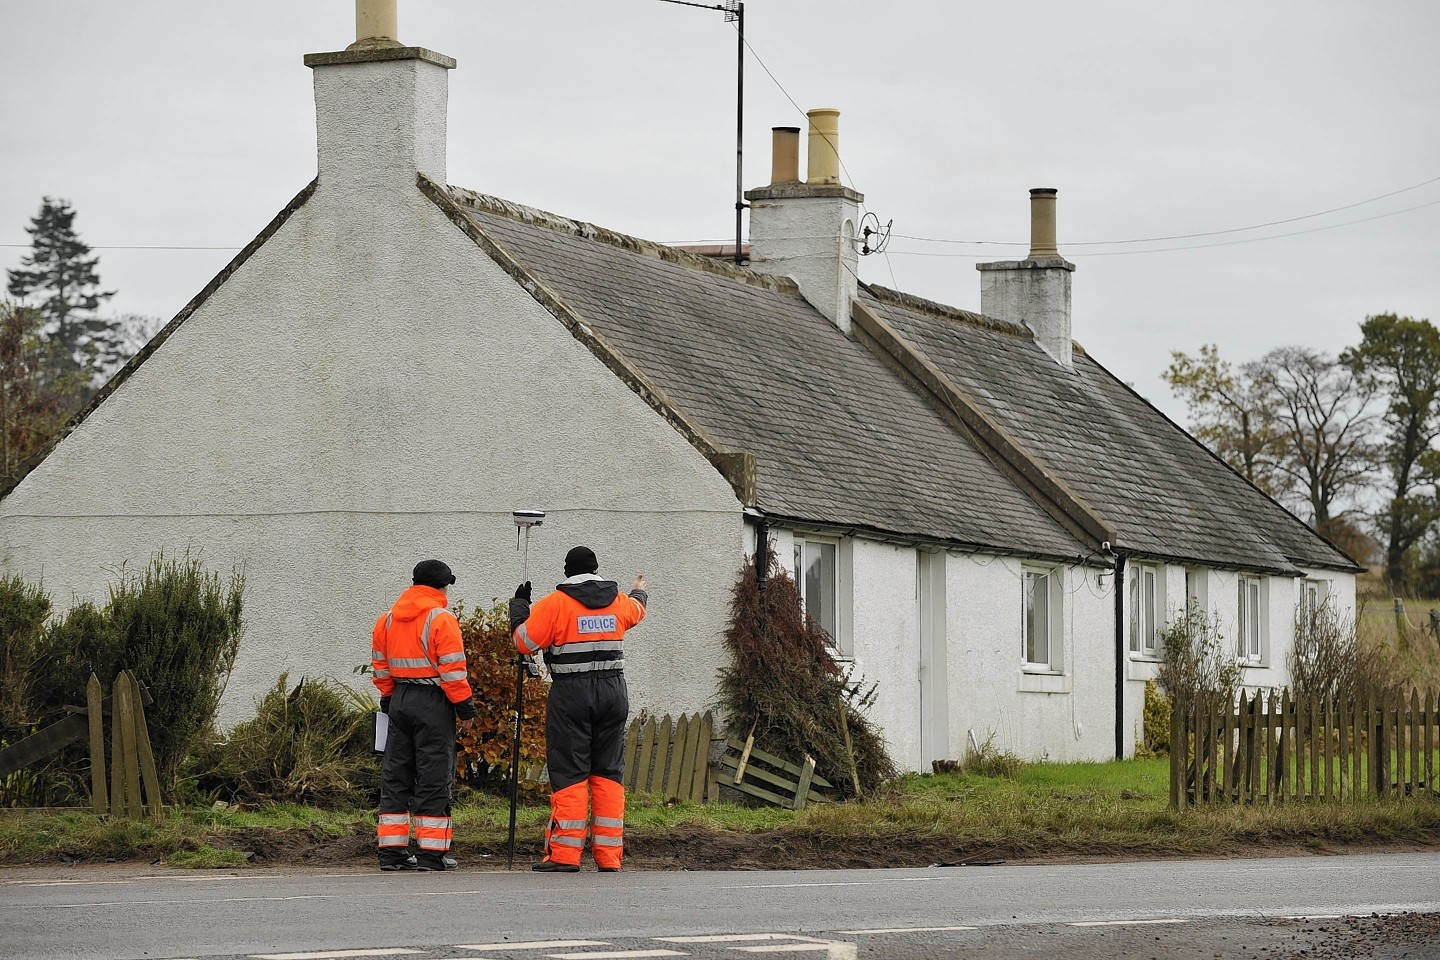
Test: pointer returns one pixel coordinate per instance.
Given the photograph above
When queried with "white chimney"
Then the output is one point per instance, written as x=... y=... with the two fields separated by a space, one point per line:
x=1034 y=291
x=380 y=106
x=806 y=231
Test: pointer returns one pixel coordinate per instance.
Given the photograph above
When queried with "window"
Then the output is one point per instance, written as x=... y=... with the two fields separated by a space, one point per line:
x=1147 y=594
x=1313 y=595
x=1196 y=589
x=1251 y=619
x=1042 y=601
x=817 y=576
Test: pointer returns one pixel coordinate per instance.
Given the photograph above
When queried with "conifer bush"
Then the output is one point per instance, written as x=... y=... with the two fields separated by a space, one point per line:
x=177 y=626
x=783 y=682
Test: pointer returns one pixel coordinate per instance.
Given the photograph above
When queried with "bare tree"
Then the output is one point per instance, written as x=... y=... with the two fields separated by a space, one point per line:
x=1324 y=427
x=1231 y=412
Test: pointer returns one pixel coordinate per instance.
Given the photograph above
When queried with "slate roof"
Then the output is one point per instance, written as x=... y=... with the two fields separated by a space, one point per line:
x=1166 y=495
x=848 y=440
x=840 y=439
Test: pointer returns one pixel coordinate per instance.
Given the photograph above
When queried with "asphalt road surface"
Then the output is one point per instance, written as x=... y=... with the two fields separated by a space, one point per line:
x=1375 y=905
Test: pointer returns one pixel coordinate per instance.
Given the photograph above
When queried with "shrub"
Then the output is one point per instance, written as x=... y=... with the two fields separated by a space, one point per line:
x=783 y=683
x=311 y=745
x=176 y=626
x=484 y=750
x=1156 y=728
x=1326 y=659
x=1194 y=661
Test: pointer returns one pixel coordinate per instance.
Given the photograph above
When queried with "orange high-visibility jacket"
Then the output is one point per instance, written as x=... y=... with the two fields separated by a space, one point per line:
x=578 y=638
x=419 y=641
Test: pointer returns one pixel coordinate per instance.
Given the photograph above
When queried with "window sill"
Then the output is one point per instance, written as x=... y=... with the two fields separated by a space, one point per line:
x=1035 y=680
x=1145 y=657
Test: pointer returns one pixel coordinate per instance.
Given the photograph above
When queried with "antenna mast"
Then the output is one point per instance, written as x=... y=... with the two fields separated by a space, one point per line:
x=734 y=11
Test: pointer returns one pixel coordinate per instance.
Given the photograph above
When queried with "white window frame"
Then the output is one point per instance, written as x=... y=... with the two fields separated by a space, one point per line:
x=1250 y=619
x=1052 y=619
x=835 y=624
x=1147 y=609
x=1314 y=594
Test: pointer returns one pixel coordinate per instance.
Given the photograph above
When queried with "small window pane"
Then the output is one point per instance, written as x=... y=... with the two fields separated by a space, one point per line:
x=1037 y=618
x=1135 y=613
x=1148 y=637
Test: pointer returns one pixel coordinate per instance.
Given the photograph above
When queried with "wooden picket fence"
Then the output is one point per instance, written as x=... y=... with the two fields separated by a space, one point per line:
x=1286 y=747
x=132 y=761
x=776 y=781
x=671 y=759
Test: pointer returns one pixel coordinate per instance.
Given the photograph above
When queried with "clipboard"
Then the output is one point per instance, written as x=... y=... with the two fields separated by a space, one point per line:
x=382 y=730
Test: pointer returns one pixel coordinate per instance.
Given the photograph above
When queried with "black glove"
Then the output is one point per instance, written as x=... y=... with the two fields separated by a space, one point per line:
x=465 y=709
x=384 y=704
x=522 y=592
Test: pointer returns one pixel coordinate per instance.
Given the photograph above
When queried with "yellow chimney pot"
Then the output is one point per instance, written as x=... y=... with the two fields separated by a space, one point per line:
x=823 y=158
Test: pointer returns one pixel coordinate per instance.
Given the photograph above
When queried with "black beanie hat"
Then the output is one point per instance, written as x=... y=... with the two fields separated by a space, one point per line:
x=580 y=560
x=433 y=573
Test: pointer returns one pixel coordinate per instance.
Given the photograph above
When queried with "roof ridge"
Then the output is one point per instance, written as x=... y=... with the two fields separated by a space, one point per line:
x=946 y=312
x=589 y=231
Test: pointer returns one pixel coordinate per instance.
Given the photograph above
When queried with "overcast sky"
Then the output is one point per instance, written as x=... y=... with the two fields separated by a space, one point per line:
x=190 y=123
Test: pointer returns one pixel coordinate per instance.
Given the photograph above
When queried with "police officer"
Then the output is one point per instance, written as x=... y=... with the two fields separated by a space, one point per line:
x=418 y=664
x=580 y=627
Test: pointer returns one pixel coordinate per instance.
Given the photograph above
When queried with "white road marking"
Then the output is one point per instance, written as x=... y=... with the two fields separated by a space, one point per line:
x=856 y=933
x=794 y=943
x=533 y=945
x=1121 y=923
x=335 y=954
x=835 y=951
x=836 y=883
x=617 y=953
x=738 y=938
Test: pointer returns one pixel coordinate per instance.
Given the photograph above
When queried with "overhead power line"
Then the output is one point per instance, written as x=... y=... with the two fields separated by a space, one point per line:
x=1209 y=233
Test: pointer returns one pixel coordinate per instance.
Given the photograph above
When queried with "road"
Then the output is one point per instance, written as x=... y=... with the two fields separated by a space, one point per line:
x=1226 y=908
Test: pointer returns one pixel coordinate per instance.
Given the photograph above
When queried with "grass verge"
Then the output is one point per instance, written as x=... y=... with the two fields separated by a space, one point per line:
x=1046 y=811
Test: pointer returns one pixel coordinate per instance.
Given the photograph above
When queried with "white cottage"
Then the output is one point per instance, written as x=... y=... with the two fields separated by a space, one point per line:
x=990 y=525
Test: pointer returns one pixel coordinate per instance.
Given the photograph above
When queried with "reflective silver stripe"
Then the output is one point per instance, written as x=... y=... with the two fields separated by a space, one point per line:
x=562 y=841
x=448 y=677
x=419 y=681
x=394 y=818
x=570 y=824
x=376 y=655
x=451 y=657
x=600 y=840
x=425 y=634
x=381 y=674
x=587 y=646
x=388 y=618
x=587 y=667
x=524 y=636
x=433 y=843
x=411 y=663
x=436 y=823
x=609 y=822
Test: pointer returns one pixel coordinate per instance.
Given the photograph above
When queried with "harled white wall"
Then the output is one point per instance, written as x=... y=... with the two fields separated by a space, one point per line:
x=369 y=390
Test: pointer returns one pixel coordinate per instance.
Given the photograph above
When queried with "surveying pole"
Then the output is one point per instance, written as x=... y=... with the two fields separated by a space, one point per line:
x=524 y=519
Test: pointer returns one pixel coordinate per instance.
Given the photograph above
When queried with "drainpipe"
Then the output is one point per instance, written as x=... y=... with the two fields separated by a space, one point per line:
x=1120 y=657
x=762 y=556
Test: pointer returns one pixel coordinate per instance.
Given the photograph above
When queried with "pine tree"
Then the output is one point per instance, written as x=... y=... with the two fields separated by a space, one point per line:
x=61 y=276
